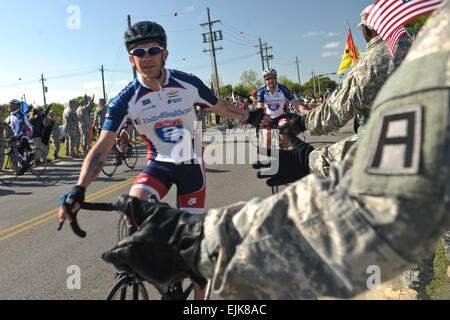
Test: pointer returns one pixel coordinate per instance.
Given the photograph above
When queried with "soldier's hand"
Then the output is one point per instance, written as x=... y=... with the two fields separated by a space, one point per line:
x=166 y=246
x=287 y=166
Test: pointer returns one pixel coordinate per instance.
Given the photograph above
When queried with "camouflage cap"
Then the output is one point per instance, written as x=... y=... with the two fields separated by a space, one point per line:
x=363 y=17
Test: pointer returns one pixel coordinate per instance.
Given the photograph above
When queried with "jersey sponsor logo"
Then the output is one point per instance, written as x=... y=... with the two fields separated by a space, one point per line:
x=146 y=102
x=273 y=106
x=166 y=114
x=398 y=141
x=142 y=180
x=170 y=131
x=107 y=115
x=172 y=93
x=148 y=108
x=192 y=201
x=174 y=100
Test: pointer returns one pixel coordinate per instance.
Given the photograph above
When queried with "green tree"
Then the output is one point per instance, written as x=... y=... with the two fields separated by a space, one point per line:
x=417 y=23
x=251 y=80
x=292 y=86
x=226 y=91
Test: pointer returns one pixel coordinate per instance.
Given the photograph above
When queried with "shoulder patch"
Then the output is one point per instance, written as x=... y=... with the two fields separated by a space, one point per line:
x=398 y=142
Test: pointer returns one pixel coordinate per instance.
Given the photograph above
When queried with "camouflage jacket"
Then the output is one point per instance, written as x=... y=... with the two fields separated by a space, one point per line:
x=70 y=119
x=383 y=207
x=83 y=115
x=357 y=92
x=99 y=116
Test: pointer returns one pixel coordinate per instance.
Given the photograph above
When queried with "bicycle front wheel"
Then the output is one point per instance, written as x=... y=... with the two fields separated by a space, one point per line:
x=128 y=288
x=38 y=162
x=8 y=171
x=131 y=155
x=111 y=163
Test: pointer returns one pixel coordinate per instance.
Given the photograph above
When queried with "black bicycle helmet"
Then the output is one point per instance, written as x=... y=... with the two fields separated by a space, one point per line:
x=145 y=30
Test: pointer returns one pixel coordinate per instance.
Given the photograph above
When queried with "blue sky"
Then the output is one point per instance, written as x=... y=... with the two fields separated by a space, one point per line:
x=69 y=40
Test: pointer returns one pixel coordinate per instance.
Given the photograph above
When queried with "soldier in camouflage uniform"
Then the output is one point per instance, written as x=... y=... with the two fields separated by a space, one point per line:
x=99 y=116
x=55 y=135
x=84 y=123
x=385 y=206
x=70 y=127
x=355 y=95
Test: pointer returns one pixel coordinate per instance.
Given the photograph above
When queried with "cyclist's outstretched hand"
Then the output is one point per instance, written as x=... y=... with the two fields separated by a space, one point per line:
x=286 y=166
x=166 y=246
x=71 y=202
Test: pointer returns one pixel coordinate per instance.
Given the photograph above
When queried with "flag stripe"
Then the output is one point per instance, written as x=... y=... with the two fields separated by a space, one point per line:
x=393 y=39
x=403 y=17
x=388 y=15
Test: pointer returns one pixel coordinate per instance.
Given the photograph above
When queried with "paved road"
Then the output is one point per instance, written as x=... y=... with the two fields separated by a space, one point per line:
x=38 y=262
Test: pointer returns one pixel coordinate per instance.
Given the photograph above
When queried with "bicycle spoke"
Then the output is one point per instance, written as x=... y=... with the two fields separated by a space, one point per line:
x=38 y=162
x=8 y=171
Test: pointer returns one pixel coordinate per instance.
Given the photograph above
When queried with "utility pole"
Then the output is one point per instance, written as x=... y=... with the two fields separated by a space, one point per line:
x=268 y=57
x=314 y=82
x=134 y=69
x=44 y=89
x=102 y=70
x=261 y=53
x=298 y=75
x=213 y=36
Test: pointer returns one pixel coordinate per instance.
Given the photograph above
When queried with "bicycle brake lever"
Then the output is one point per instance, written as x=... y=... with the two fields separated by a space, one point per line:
x=74 y=224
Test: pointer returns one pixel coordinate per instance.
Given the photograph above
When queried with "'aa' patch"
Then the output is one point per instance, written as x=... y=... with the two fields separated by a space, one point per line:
x=398 y=140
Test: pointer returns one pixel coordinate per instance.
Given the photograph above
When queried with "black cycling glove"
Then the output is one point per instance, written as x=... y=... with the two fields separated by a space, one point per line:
x=75 y=195
x=292 y=165
x=255 y=117
x=166 y=246
x=297 y=124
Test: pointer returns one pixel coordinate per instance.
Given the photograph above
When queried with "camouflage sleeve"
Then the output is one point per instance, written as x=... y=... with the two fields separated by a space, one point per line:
x=357 y=92
x=385 y=206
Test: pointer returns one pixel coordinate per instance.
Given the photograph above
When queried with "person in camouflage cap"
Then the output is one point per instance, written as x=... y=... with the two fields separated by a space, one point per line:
x=382 y=208
x=84 y=122
x=99 y=116
x=70 y=127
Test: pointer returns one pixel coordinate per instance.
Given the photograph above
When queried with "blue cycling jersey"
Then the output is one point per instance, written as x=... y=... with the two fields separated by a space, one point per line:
x=20 y=125
x=165 y=119
x=276 y=102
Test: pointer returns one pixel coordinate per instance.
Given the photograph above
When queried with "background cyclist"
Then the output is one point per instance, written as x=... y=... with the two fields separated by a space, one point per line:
x=22 y=130
x=273 y=97
x=160 y=103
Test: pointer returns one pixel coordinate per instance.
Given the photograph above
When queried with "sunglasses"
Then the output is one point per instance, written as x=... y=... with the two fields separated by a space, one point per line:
x=271 y=78
x=140 y=52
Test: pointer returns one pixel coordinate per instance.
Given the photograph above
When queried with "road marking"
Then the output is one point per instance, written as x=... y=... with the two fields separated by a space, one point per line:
x=55 y=212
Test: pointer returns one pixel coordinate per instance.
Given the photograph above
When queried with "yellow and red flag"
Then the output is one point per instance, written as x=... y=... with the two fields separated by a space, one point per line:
x=351 y=54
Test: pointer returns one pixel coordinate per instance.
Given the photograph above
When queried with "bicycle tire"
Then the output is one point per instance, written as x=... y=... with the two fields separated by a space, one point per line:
x=110 y=166
x=121 y=288
x=132 y=158
x=8 y=174
x=38 y=162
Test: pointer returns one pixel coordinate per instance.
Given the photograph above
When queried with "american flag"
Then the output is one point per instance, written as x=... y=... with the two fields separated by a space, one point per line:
x=393 y=39
x=387 y=16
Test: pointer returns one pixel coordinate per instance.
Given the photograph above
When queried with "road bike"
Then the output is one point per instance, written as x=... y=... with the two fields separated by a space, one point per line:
x=10 y=162
x=121 y=153
x=130 y=286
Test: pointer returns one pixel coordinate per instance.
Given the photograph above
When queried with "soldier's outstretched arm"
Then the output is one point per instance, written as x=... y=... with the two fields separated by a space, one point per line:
x=383 y=208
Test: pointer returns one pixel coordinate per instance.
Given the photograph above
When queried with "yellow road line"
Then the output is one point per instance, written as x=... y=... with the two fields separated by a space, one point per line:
x=54 y=213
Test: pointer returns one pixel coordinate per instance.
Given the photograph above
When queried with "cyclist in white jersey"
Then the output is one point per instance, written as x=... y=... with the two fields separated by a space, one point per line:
x=22 y=129
x=160 y=103
x=273 y=97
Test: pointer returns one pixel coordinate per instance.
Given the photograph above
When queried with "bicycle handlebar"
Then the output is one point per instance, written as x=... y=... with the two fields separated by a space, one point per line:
x=93 y=206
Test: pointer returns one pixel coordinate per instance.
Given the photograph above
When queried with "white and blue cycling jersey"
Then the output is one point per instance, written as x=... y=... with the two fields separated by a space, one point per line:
x=20 y=125
x=164 y=119
x=275 y=103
